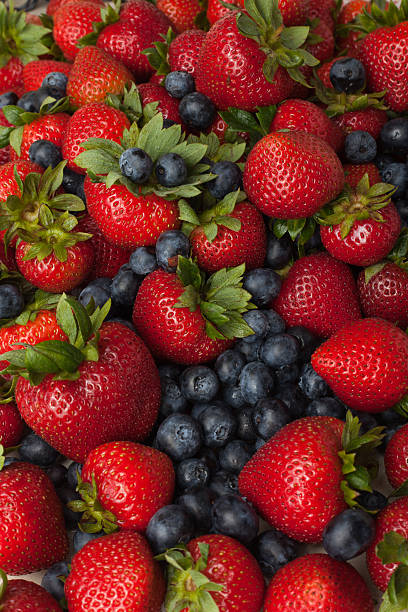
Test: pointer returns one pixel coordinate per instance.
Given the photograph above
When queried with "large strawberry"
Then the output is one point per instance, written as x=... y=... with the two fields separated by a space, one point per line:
x=115 y=572
x=35 y=72
x=355 y=172
x=77 y=389
x=186 y=319
x=182 y=13
x=366 y=364
x=72 y=21
x=18 y=595
x=184 y=50
x=395 y=461
x=11 y=425
x=54 y=5
x=32 y=530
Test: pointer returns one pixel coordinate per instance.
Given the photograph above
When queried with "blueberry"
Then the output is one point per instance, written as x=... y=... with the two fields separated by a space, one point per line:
x=136 y=165
x=263 y=284
x=258 y=322
x=229 y=178
x=360 y=147
x=308 y=341
x=233 y=517
x=348 y=534
x=276 y=323
x=279 y=251
x=235 y=455
x=56 y=83
x=172 y=399
x=198 y=503
x=279 y=350
x=394 y=135
x=9 y=461
x=245 y=424
x=396 y=174
x=73 y=182
x=170 y=370
x=259 y=442
x=218 y=424
x=372 y=501
x=11 y=301
x=269 y=416
x=287 y=374
x=179 y=83
x=125 y=286
x=192 y=473
x=199 y=407
x=232 y=395
x=210 y=457
x=347 y=75
x=171 y=170
x=66 y=495
x=273 y=549
x=45 y=153
x=36 y=450
x=57 y=473
x=249 y=350
x=228 y=366
x=199 y=383
x=179 y=436
x=294 y=399
x=367 y=420
x=326 y=406
x=80 y=538
x=72 y=475
x=52 y=582
x=143 y=261
x=169 y=246
x=171 y=525
x=312 y=385
x=402 y=207
x=8 y=98
x=391 y=418
x=224 y=483
x=256 y=382
x=382 y=160
x=98 y=293
x=197 y=111
x=32 y=100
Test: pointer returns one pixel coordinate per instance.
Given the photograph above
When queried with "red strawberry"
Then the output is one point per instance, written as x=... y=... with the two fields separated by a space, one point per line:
x=383 y=292
x=72 y=21
x=167 y=106
x=54 y=5
x=11 y=75
x=294 y=12
x=184 y=51
x=45 y=126
x=351 y=10
x=32 y=530
x=368 y=120
x=35 y=72
x=113 y=572
x=22 y=595
x=182 y=13
x=168 y=317
x=347 y=39
x=355 y=172
x=366 y=364
x=216 y=10
x=11 y=425
x=395 y=458
x=4 y=155
x=130 y=481
x=318 y=582
x=323 y=10
x=320 y=294
x=291 y=175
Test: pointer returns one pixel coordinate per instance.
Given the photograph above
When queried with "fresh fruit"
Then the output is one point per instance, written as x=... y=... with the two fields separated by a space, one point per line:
x=183 y=51
x=395 y=458
x=11 y=425
x=20 y=594
x=383 y=292
x=35 y=72
x=72 y=21
x=182 y=13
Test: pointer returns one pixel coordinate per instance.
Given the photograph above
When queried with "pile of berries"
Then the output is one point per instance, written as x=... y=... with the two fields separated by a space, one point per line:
x=203 y=306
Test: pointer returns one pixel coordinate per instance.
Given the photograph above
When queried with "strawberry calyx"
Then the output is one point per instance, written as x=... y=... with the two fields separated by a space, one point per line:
x=393 y=548
x=187 y=586
x=7 y=389
x=95 y=518
x=18 y=38
x=158 y=54
x=359 y=465
x=381 y=14
x=109 y=15
x=3 y=580
x=283 y=46
x=398 y=256
x=211 y=218
x=340 y=103
x=255 y=124
x=129 y=103
x=41 y=301
x=220 y=298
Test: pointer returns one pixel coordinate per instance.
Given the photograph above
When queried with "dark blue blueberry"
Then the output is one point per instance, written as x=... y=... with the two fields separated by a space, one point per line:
x=80 y=538
x=245 y=424
x=56 y=83
x=199 y=383
x=224 y=483
x=312 y=385
x=287 y=374
x=179 y=436
x=73 y=182
x=326 y=406
x=235 y=455
x=179 y=83
x=136 y=165
x=228 y=366
x=229 y=178
x=45 y=153
x=66 y=495
x=218 y=425
x=279 y=350
x=276 y=323
x=198 y=503
x=347 y=75
x=192 y=473
x=57 y=474
x=72 y=475
x=249 y=350
x=52 y=582
x=171 y=525
x=360 y=147
x=8 y=98
x=279 y=251
x=263 y=284
x=172 y=399
x=394 y=135
x=314 y=243
x=391 y=418
x=198 y=408
x=232 y=395
x=258 y=322
x=170 y=370
x=273 y=549
x=197 y=111
x=36 y=450
x=171 y=170
x=269 y=416
x=382 y=160
x=348 y=534
x=402 y=207
x=11 y=301
x=368 y=421
x=255 y=381
x=308 y=341
x=125 y=286
x=210 y=457
x=294 y=399
x=99 y=293
x=372 y=501
x=143 y=261
x=389 y=432
x=9 y=461
x=233 y=517
x=169 y=246
x=396 y=174
x=259 y=442
x=32 y=100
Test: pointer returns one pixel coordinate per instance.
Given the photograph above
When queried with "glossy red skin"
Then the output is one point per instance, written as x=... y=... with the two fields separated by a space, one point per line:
x=351 y=10
x=323 y=10
x=320 y=294
x=365 y=364
x=229 y=70
x=291 y=175
x=133 y=481
x=384 y=55
x=395 y=458
x=11 y=75
x=115 y=572
x=319 y=583
x=393 y=517
x=32 y=528
x=216 y=10
x=304 y=116
x=167 y=105
x=323 y=50
x=11 y=425
x=129 y=221
x=72 y=21
x=76 y=416
x=182 y=13
x=97 y=120
x=26 y=596
x=4 y=155
x=385 y=295
x=54 y=5
x=232 y=565
x=285 y=478
x=368 y=240
x=172 y=333
x=184 y=50
x=355 y=172
x=35 y=72
x=350 y=44
x=94 y=74
x=229 y=248
x=47 y=127
x=368 y=120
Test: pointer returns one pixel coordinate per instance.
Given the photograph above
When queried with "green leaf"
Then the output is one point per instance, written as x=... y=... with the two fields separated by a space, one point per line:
x=295 y=226
x=240 y=120
x=294 y=37
x=371 y=271
x=210 y=230
x=16 y=137
x=52 y=356
x=393 y=548
x=189 y=273
x=270 y=66
x=187 y=213
x=230 y=222
x=265 y=116
x=247 y=27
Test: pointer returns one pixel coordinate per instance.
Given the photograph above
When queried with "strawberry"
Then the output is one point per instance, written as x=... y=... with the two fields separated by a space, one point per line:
x=320 y=294
x=362 y=225
x=323 y=71
x=11 y=425
x=355 y=172
x=54 y=5
x=18 y=595
x=166 y=105
x=294 y=12
x=120 y=378
x=186 y=319
x=322 y=10
x=32 y=532
x=216 y=10
x=365 y=364
x=35 y=72
x=318 y=582
x=395 y=461
x=72 y=21
x=11 y=76
x=184 y=50
x=115 y=572
x=368 y=120
x=351 y=10
x=182 y=13
x=123 y=484
x=347 y=39
x=307 y=175
x=230 y=577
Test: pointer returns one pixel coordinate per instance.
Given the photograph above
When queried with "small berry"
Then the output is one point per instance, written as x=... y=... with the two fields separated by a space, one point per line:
x=136 y=165
x=178 y=83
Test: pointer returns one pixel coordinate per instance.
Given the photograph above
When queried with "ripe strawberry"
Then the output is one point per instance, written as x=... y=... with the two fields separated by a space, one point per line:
x=20 y=595
x=318 y=582
x=54 y=5
x=113 y=572
x=131 y=483
x=217 y=559
x=167 y=105
x=94 y=74
x=216 y=10
x=368 y=120
x=184 y=51
x=350 y=40
x=182 y=13
x=365 y=364
x=4 y=155
x=168 y=316
x=395 y=458
x=32 y=530
x=35 y=72
x=72 y=21
x=355 y=172
x=11 y=75
x=383 y=292
x=11 y=425
x=323 y=10
x=351 y=10
x=291 y=175
x=320 y=294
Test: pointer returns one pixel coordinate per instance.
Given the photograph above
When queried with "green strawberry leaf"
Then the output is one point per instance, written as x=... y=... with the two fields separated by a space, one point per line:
x=157 y=55
x=371 y=271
